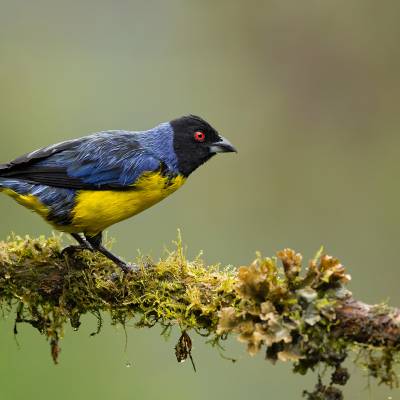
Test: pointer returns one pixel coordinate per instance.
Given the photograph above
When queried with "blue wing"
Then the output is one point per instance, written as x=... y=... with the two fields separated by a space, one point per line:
x=106 y=160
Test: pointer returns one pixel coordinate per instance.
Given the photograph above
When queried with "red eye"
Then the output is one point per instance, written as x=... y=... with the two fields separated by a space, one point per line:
x=199 y=136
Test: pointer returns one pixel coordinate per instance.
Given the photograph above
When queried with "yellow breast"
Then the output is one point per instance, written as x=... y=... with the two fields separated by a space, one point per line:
x=96 y=210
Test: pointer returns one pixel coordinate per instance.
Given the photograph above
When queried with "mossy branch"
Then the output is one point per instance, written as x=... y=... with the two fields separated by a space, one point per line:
x=305 y=316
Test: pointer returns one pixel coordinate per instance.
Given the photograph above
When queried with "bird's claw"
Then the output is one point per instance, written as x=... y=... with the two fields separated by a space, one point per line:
x=126 y=268
x=129 y=267
x=69 y=250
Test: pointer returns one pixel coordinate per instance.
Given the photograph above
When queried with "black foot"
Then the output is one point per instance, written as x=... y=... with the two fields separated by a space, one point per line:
x=126 y=268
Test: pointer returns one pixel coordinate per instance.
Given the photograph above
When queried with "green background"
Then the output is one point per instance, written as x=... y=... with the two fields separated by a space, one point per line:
x=309 y=93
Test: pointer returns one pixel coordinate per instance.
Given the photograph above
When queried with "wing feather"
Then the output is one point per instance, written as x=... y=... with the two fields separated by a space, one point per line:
x=106 y=160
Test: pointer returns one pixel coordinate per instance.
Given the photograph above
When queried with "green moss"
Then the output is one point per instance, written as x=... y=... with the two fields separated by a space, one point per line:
x=273 y=304
x=55 y=289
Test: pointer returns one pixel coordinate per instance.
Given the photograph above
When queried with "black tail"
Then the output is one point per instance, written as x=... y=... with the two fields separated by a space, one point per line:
x=3 y=168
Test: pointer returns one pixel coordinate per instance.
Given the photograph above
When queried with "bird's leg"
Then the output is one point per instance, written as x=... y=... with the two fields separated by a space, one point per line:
x=82 y=241
x=96 y=243
x=83 y=244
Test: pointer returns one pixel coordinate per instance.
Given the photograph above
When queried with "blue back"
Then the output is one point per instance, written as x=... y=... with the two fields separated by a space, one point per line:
x=115 y=158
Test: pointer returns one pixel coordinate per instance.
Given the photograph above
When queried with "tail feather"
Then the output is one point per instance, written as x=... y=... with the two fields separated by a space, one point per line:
x=3 y=168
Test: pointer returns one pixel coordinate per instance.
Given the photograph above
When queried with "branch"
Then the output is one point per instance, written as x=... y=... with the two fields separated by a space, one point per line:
x=305 y=316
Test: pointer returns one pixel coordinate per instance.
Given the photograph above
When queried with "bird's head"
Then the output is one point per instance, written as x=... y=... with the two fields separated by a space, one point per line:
x=195 y=142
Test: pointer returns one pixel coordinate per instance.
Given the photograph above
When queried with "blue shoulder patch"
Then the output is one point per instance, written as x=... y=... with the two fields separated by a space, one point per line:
x=160 y=141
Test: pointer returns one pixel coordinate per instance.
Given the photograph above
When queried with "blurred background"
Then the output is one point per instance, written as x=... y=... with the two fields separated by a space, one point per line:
x=308 y=92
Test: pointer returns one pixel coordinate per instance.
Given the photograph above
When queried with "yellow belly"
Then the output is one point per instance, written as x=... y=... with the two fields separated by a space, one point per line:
x=96 y=210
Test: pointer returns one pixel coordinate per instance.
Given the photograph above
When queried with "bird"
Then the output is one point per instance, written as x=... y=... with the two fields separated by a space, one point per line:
x=83 y=186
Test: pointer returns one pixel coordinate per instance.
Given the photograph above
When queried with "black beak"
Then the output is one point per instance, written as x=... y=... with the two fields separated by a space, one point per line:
x=223 y=146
